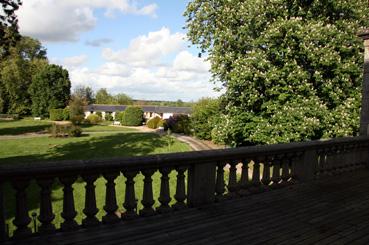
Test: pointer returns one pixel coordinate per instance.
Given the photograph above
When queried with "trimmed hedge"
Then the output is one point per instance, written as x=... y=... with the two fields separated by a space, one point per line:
x=94 y=119
x=153 y=122
x=132 y=116
x=56 y=114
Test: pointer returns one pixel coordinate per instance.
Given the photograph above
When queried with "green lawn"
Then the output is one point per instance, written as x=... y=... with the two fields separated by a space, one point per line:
x=22 y=126
x=28 y=125
x=93 y=146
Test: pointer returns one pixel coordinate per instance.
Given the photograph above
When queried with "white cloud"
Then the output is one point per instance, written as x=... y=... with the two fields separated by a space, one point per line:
x=167 y=82
x=98 y=42
x=75 y=61
x=148 y=49
x=55 y=20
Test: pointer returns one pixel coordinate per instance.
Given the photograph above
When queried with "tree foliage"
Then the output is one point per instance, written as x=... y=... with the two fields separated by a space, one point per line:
x=85 y=94
x=9 y=34
x=292 y=70
x=205 y=114
x=50 y=89
x=132 y=116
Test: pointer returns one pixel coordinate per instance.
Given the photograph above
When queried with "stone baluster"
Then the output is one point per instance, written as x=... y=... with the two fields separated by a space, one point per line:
x=90 y=209
x=276 y=177
x=46 y=210
x=293 y=160
x=220 y=185
x=164 y=198
x=3 y=233
x=148 y=199
x=130 y=201
x=69 y=212
x=329 y=161
x=266 y=173
x=321 y=162
x=244 y=182
x=334 y=160
x=111 y=206
x=339 y=158
x=232 y=180
x=285 y=169
x=180 y=195
x=256 y=176
x=22 y=218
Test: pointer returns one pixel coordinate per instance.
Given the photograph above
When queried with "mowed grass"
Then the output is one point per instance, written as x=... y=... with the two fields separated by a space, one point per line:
x=28 y=125
x=22 y=126
x=90 y=146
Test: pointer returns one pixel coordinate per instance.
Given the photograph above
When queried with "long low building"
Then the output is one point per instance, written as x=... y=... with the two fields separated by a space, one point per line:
x=163 y=112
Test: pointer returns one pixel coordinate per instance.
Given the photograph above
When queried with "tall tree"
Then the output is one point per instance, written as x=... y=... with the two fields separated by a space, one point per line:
x=291 y=69
x=50 y=89
x=85 y=94
x=122 y=99
x=9 y=34
x=16 y=70
x=103 y=97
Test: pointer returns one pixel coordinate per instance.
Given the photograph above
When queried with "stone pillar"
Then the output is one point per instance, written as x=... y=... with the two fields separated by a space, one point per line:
x=364 y=118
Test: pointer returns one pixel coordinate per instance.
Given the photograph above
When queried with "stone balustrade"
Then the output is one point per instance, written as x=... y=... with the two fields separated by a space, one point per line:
x=201 y=179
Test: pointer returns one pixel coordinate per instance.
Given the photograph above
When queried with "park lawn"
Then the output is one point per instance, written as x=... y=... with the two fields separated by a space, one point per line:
x=23 y=126
x=28 y=125
x=106 y=128
x=103 y=145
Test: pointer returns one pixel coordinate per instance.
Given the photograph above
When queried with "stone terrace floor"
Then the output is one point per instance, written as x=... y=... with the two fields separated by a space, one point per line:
x=333 y=210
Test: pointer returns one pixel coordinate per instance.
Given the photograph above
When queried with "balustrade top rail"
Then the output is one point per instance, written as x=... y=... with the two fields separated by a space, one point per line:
x=167 y=160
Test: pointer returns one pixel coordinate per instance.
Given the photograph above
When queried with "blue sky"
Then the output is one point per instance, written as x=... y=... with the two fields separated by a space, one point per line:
x=134 y=47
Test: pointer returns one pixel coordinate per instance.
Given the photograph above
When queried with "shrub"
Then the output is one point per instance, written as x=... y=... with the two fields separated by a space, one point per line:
x=132 y=116
x=108 y=116
x=162 y=123
x=205 y=114
x=64 y=130
x=119 y=115
x=77 y=120
x=59 y=130
x=94 y=119
x=76 y=108
x=75 y=131
x=99 y=113
x=56 y=114
x=179 y=124
x=153 y=122
x=66 y=114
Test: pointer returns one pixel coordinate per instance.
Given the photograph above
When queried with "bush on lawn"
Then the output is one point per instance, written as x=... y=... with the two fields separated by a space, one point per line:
x=132 y=116
x=66 y=114
x=75 y=131
x=179 y=124
x=99 y=113
x=153 y=122
x=64 y=130
x=108 y=116
x=163 y=124
x=77 y=120
x=56 y=114
x=94 y=119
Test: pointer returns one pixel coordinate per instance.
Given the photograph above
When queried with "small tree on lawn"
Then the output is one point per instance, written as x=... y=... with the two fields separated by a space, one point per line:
x=132 y=116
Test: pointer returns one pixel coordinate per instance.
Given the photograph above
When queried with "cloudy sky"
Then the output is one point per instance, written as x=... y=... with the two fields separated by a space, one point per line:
x=137 y=47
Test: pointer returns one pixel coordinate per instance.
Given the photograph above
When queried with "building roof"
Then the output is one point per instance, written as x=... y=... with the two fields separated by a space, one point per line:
x=157 y=109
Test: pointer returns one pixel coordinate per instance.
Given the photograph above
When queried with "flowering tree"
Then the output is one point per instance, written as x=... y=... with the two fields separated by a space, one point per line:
x=291 y=69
